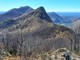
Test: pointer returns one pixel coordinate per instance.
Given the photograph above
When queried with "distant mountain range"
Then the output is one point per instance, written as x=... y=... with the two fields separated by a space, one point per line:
x=60 y=18
x=71 y=14
x=73 y=19
x=56 y=18
x=64 y=18
x=7 y=17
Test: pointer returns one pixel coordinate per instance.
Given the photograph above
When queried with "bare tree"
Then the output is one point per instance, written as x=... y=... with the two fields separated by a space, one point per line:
x=21 y=41
x=5 y=39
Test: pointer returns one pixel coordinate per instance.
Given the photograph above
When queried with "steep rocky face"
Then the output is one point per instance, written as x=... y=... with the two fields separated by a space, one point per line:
x=41 y=13
x=16 y=12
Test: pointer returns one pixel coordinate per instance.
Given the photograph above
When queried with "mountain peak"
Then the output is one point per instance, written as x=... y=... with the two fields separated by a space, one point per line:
x=41 y=13
x=41 y=8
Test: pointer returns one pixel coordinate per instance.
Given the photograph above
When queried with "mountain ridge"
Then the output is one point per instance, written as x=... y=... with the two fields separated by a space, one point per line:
x=16 y=12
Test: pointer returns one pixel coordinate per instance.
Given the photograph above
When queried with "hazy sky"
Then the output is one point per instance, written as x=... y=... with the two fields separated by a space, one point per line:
x=50 y=5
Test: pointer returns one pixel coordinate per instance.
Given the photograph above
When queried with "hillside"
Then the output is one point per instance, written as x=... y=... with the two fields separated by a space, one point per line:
x=16 y=12
x=76 y=26
x=34 y=33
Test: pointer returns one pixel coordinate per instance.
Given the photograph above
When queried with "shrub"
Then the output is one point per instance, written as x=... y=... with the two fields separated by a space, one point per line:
x=45 y=56
x=62 y=50
x=12 y=51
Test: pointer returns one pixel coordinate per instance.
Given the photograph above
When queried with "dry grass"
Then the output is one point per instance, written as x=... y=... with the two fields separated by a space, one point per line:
x=12 y=58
